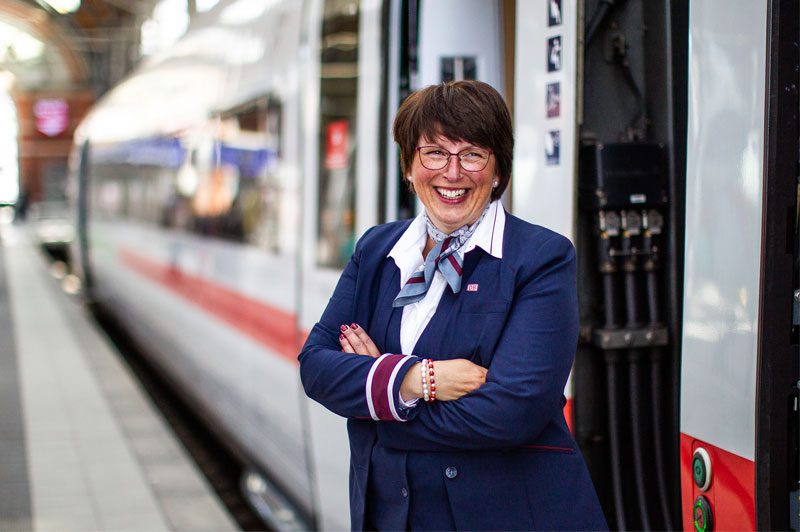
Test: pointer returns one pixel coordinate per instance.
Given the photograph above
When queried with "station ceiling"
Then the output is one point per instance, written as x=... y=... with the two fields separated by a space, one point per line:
x=91 y=47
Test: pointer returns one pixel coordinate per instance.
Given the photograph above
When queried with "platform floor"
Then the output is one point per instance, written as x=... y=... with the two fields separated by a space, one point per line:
x=81 y=445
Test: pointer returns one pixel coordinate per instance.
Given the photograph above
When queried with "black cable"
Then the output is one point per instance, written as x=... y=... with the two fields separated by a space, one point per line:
x=637 y=424
x=654 y=316
x=655 y=389
x=634 y=358
x=608 y=270
x=631 y=301
x=614 y=433
x=608 y=293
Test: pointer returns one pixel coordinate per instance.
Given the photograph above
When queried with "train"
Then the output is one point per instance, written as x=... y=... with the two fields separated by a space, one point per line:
x=219 y=190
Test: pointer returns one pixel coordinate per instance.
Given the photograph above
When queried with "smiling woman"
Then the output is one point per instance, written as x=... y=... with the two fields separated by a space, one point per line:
x=425 y=371
x=458 y=191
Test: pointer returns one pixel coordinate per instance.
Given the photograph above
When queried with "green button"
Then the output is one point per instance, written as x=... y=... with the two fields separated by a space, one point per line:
x=701 y=512
x=699 y=471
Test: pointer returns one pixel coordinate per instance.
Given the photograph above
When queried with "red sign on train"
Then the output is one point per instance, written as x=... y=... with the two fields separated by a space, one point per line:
x=336 y=145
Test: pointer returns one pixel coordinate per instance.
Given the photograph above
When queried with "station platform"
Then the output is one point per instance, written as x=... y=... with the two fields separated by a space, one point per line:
x=81 y=445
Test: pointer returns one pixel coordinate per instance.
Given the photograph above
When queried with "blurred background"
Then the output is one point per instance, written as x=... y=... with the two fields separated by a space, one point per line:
x=57 y=59
x=198 y=172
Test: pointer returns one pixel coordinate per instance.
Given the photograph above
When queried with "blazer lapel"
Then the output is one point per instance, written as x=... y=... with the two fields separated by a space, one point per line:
x=384 y=326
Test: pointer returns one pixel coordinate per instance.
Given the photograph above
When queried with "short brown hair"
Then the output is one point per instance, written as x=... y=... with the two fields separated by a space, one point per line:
x=469 y=111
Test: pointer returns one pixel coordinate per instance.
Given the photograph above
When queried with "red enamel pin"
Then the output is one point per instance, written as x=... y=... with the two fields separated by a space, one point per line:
x=472 y=287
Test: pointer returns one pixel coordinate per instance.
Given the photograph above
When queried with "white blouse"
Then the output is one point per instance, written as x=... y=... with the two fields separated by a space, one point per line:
x=407 y=255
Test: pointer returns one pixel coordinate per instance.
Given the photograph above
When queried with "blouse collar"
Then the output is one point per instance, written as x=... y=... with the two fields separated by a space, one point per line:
x=407 y=251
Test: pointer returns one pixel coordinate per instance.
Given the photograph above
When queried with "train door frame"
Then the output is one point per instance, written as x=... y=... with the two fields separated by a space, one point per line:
x=776 y=415
x=371 y=103
x=83 y=259
x=755 y=452
x=327 y=442
x=369 y=132
x=400 y=62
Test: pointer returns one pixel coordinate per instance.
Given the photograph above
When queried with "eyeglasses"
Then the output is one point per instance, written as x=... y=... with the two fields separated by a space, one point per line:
x=436 y=158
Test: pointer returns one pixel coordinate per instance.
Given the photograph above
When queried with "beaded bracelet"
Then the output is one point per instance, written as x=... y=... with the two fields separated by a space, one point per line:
x=423 y=371
x=431 y=381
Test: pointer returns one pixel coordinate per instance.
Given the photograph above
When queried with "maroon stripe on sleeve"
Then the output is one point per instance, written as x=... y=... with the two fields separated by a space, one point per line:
x=380 y=381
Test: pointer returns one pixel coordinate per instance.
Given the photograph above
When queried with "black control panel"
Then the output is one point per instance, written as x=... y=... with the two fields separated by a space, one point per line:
x=623 y=175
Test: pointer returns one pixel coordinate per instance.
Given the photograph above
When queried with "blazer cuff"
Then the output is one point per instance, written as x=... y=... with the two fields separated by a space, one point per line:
x=383 y=386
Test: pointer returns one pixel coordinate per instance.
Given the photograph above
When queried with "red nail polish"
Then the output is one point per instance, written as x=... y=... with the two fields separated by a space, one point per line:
x=354 y=326
x=343 y=328
x=341 y=337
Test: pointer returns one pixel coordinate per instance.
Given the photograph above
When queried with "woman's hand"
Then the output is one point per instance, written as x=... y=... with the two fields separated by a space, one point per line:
x=454 y=378
x=354 y=339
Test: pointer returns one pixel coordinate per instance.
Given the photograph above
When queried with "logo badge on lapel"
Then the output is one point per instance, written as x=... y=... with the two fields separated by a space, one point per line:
x=472 y=287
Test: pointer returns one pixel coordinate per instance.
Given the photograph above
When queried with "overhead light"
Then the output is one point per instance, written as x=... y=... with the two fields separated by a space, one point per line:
x=64 y=6
x=17 y=46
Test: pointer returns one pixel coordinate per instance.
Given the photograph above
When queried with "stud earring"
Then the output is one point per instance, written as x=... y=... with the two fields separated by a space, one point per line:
x=411 y=177
x=495 y=184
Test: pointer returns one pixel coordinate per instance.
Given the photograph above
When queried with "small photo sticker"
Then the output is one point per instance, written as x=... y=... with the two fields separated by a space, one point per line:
x=554 y=54
x=553 y=100
x=553 y=12
x=552 y=147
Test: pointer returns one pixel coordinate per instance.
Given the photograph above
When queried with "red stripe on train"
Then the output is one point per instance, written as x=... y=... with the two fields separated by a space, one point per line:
x=274 y=328
x=731 y=494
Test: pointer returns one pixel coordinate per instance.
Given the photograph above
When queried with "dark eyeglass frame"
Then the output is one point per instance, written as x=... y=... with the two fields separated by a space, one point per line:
x=451 y=154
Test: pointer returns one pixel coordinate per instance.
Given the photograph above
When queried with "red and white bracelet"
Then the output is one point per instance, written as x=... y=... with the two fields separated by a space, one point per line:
x=423 y=371
x=431 y=380
x=428 y=380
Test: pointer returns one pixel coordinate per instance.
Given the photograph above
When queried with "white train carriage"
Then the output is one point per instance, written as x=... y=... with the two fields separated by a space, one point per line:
x=221 y=188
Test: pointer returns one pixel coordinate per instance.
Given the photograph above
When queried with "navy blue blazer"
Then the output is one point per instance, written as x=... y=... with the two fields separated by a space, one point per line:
x=500 y=457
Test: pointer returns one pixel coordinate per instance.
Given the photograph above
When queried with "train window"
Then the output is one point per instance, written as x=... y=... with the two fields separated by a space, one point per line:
x=337 y=149
x=227 y=186
x=127 y=187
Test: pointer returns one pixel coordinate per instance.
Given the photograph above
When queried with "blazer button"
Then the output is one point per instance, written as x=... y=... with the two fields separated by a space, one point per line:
x=451 y=472
x=404 y=492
